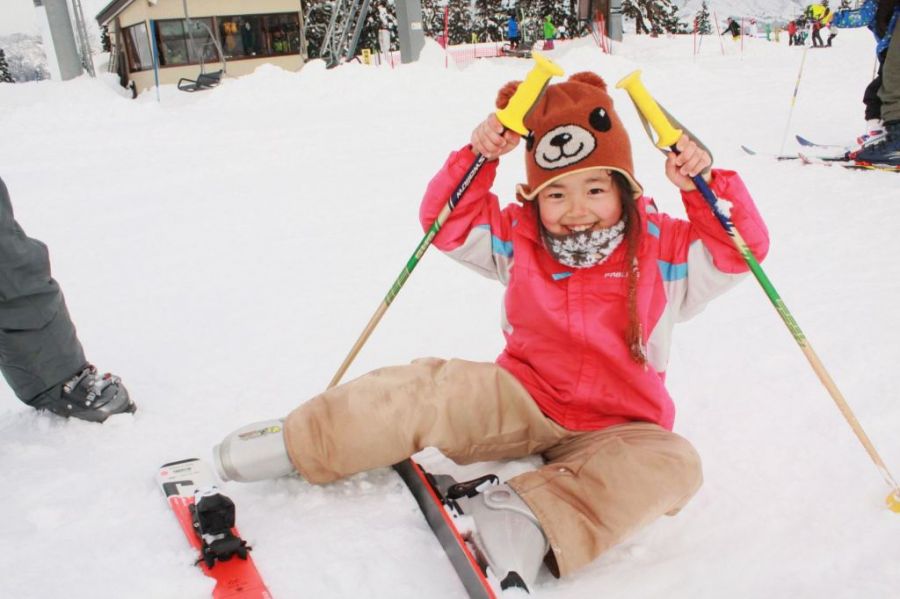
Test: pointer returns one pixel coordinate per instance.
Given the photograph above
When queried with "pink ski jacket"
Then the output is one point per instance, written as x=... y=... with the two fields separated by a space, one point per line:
x=565 y=328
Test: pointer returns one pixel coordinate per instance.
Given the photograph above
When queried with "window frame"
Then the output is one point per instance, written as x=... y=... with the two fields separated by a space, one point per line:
x=198 y=51
x=132 y=51
x=263 y=29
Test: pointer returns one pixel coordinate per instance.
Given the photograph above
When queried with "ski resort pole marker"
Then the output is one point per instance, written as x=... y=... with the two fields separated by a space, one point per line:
x=668 y=136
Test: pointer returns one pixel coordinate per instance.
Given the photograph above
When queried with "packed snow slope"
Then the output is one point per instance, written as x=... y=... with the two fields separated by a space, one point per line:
x=222 y=251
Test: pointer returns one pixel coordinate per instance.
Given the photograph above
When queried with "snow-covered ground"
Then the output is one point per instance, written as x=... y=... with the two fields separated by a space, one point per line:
x=221 y=251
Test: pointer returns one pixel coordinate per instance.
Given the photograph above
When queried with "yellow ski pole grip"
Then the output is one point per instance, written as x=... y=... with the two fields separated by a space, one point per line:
x=528 y=92
x=647 y=106
x=893 y=501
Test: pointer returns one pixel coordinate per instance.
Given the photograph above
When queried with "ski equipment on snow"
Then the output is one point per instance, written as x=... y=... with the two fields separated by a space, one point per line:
x=811 y=144
x=850 y=164
x=438 y=497
x=207 y=518
x=841 y=161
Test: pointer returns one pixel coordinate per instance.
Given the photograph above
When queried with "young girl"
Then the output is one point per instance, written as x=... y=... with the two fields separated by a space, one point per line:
x=595 y=280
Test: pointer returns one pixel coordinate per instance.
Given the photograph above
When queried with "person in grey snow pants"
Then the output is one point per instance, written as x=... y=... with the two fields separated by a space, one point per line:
x=40 y=355
x=886 y=150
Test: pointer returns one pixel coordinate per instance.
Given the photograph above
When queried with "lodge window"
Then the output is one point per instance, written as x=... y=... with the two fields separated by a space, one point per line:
x=180 y=44
x=138 y=43
x=247 y=36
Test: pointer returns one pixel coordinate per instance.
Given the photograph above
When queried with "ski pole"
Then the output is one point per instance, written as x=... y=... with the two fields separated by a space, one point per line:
x=512 y=118
x=718 y=32
x=667 y=137
x=787 y=127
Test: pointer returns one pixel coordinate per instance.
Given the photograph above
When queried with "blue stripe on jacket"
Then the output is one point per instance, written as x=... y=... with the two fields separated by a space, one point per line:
x=672 y=271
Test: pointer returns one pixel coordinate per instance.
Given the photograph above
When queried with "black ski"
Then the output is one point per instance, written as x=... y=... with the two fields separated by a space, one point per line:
x=438 y=507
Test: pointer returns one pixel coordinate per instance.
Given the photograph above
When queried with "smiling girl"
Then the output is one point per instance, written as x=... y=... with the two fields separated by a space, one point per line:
x=596 y=279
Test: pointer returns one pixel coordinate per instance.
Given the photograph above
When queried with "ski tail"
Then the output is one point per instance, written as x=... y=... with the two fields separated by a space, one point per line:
x=437 y=511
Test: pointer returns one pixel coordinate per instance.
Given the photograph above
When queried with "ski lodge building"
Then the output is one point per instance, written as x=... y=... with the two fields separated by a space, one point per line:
x=192 y=42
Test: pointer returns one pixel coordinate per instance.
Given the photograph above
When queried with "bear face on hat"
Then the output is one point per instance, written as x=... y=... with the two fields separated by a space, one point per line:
x=574 y=127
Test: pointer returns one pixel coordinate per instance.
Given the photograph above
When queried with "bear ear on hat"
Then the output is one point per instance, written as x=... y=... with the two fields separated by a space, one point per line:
x=589 y=78
x=506 y=92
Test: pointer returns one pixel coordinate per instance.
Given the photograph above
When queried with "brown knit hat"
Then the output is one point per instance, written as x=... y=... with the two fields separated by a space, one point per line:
x=573 y=128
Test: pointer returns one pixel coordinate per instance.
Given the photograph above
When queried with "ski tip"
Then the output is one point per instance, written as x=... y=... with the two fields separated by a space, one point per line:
x=803 y=141
x=178 y=462
x=748 y=150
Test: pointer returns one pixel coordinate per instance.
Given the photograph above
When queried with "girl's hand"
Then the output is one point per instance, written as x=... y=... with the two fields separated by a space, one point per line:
x=491 y=140
x=691 y=161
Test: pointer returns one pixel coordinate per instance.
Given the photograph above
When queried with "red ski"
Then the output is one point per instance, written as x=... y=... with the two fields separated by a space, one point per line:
x=207 y=519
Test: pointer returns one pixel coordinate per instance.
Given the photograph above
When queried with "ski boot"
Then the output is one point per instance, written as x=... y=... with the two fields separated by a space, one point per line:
x=506 y=536
x=884 y=151
x=253 y=452
x=875 y=132
x=87 y=397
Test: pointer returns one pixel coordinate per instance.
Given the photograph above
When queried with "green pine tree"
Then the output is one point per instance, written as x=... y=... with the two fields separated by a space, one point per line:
x=653 y=16
x=104 y=40
x=382 y=15
x=489 y=21
x=459 y=24
x=702 y=20
x=432 y=18
x=5 y=76
x=316 y=16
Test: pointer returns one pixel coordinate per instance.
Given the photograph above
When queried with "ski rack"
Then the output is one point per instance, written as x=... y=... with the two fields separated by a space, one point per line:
x=339 y=44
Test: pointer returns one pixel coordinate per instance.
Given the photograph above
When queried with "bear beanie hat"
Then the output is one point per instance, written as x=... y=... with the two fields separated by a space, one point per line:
x=574 y=127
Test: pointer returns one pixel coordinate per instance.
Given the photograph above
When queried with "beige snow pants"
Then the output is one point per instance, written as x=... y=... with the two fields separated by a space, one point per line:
x=596 y=487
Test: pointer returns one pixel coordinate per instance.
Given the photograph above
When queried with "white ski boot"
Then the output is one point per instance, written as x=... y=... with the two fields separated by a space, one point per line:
x=508 y=537
x=253 y=452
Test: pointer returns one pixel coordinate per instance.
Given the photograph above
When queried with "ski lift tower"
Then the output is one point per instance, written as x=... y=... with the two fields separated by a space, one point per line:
x=63 y=60
x=409 y=29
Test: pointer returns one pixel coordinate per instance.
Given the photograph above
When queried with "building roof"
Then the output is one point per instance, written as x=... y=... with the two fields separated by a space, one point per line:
x=111 y=10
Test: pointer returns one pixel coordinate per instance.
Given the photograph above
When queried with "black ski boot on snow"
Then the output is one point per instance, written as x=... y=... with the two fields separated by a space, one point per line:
x=86 y=396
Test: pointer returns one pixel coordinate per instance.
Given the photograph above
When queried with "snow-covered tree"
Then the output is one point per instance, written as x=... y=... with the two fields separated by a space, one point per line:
x=653 y=16
x=316 y=16
x=459 y=26
x=563 y=14
x=382 y=15
x=489 y=21
x=5 y=77
x=701 y=21
x=433 y=17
